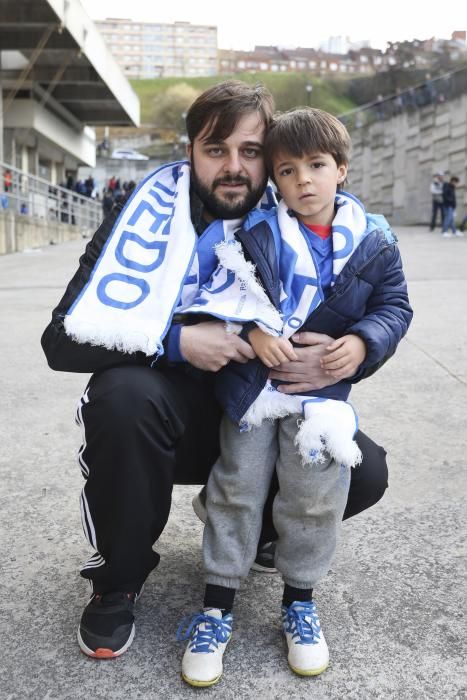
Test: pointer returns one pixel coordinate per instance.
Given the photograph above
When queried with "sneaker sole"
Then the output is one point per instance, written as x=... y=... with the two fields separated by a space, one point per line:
x=199 y=509
x=311 y=672
x=200 y=684
x=263 y=569
x=102 y=652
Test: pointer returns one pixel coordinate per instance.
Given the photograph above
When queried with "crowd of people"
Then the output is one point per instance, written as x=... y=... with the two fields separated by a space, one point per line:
x=114 y=193
x=402 y=100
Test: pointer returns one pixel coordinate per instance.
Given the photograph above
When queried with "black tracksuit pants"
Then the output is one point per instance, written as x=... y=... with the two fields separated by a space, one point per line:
x=144 y=430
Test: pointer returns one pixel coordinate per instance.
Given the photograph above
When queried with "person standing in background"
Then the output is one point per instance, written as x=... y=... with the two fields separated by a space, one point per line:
x=436 y=189
x=449 y=208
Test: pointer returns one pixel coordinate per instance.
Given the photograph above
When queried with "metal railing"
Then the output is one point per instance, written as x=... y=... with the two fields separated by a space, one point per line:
x=33 y=196
x=430 y=91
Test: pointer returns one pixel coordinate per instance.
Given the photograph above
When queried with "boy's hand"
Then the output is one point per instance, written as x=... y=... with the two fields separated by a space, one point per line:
x=344 y=356
x=270 y=349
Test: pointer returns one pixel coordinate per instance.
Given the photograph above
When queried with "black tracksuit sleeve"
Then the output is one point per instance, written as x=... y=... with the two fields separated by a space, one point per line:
x=62 y=352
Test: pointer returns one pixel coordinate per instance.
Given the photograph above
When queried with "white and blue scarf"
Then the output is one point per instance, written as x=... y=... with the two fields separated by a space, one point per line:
x=232 y=293
x=129 y=299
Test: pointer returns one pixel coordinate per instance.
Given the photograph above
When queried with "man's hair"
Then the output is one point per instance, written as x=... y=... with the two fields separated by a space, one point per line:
x=306 y=130
x=219 y=109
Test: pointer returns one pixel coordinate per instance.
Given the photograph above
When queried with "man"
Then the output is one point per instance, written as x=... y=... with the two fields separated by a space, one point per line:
x=149 y=424
x=449 y=208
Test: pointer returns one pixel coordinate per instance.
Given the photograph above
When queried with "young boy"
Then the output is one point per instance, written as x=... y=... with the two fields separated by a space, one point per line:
x=328 y=267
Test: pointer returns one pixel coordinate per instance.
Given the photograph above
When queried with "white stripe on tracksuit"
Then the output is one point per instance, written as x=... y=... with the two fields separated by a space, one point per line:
x=86 y=520
x=79 y=420
x=96 y=559
x=93 y=562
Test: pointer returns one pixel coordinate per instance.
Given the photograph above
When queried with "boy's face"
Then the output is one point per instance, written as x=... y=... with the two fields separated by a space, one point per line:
x=229 y=176
x=308 y=185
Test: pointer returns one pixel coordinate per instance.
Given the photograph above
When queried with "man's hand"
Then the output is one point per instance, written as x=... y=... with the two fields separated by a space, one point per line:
x=208 y=346
x=271 y=350
x=306 y=373
x=344 y=356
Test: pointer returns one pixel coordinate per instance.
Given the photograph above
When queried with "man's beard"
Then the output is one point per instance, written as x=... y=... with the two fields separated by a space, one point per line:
x=223 y=208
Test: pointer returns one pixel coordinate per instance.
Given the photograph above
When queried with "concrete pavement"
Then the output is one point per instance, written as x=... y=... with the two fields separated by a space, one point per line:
x=393 y=605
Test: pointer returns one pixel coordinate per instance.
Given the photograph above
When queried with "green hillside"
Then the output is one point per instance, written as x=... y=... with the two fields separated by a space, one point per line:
x=289 y=90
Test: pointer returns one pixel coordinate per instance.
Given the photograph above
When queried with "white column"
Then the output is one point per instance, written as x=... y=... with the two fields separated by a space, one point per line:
x=24 y=158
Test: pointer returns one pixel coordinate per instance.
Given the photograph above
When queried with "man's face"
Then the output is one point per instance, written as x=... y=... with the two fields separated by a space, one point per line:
x=229 y=176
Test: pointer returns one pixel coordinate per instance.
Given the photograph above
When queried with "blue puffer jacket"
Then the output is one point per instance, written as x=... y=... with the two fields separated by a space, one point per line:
x=369 y=299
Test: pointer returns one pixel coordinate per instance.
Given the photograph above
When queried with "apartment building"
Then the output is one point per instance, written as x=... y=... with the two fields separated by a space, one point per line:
x=156 y=50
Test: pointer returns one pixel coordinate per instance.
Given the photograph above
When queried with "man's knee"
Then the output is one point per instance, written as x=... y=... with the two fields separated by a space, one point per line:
x=123 y=394
x=369 y=480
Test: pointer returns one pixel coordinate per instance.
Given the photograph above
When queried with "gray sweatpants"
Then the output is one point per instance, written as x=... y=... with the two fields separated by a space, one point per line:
x=307 y=510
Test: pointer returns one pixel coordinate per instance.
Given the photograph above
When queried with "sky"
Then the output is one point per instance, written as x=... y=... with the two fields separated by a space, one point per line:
x=242 y=24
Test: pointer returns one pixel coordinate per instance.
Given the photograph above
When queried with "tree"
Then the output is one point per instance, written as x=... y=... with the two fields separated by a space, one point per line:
x=171 y=106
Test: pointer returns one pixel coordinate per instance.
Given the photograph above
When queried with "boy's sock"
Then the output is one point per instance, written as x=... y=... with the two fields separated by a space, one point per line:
x=219 y=597
x=292 y=594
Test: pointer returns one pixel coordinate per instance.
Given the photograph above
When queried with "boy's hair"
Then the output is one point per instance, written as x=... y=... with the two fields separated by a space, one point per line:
x=221 y=107
x=454 y=179
x=306 y=130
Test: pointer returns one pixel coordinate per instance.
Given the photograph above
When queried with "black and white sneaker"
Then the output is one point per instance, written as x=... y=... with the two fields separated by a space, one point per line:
x=199 y=505
x=107 y=626
x=264 y=562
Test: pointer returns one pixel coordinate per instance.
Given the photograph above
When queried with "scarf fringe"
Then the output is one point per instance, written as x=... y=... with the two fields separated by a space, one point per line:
x=315 y=439
x=112 y=337
x=231 y=257
x=270 y=405
x=327 y=426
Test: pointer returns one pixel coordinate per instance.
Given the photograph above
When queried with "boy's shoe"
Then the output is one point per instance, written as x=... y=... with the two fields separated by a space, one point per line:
x=107 y=625
x=459 y=234
x=264 y=562
x=308 y=651
x=208 y=633
x=446 y=234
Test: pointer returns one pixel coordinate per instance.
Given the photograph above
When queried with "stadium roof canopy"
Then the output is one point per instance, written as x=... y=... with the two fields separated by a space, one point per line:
x=52 y=52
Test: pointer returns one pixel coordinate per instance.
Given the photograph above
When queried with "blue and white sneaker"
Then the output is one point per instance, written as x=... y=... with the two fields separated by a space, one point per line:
x=308 y=651
x=208 y=633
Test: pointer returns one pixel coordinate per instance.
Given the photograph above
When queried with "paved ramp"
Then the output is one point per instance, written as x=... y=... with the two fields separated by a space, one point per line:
x=392 y=606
